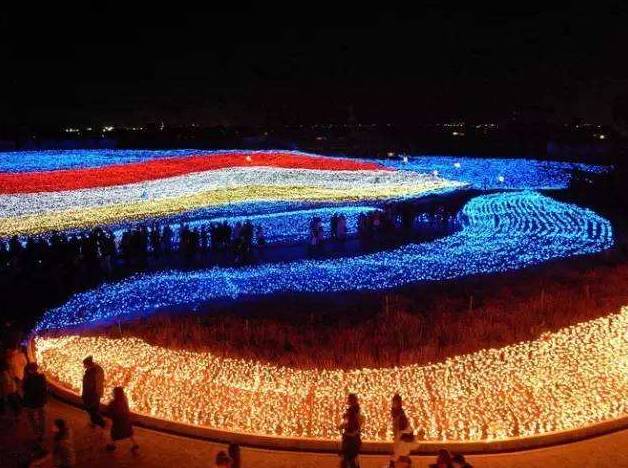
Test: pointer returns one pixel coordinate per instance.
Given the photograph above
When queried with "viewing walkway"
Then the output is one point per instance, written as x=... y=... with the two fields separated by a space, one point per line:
x=163 y=450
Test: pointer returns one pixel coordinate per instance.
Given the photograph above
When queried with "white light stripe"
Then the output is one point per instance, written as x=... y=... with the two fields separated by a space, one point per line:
x=46 y=202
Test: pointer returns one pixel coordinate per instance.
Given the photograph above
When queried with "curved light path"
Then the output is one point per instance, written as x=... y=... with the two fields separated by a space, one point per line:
x=23 y=204
x=560 y=381
x=505 y=231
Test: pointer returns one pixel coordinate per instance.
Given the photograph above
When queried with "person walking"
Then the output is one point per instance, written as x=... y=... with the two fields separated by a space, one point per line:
x=63 y=454
x=351 y=427
x=403 y=435
x=93 y=387
x=35 y=396
x=121 y=426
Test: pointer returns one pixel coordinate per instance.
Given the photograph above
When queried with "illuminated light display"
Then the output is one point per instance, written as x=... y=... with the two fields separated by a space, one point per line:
x=98 y=216
x=226 y=179
x=485 y=173
x=118 y=174
x=284 y=226
x=561 y=381
x=522 y=173
x=504 y=231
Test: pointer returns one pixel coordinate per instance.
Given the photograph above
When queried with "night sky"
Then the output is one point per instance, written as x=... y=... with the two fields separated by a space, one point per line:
x=113 y=63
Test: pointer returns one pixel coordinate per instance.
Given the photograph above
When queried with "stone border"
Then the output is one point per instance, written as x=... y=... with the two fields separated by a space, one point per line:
x=368 y=447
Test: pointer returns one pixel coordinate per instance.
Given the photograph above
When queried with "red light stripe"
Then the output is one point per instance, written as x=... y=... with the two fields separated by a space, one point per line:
x=75 y=179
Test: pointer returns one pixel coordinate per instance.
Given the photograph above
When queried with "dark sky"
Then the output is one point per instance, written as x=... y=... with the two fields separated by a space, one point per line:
x=111 y=62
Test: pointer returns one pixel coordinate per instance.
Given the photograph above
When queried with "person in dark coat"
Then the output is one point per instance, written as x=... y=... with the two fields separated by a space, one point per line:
x=93 y=387
x=35 y=397
x=121 y=426
x=351 y=428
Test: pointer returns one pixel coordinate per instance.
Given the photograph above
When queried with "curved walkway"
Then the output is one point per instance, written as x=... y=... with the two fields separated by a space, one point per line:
x=161 y=449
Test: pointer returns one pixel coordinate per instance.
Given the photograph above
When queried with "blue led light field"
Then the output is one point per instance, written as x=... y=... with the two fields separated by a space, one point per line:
x=496 y=173
x=30 y=161
x=504 y=231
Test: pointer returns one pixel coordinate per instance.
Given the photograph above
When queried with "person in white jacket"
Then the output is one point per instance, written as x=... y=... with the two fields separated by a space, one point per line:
x=404 y=439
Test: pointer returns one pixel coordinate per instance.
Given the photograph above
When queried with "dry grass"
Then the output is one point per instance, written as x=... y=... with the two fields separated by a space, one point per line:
x=427 y=323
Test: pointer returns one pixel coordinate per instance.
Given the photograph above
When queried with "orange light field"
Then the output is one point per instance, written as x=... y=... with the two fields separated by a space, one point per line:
x=560 y=381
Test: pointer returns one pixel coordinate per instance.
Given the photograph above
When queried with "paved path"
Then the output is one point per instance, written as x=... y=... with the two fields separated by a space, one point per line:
x=164 y=450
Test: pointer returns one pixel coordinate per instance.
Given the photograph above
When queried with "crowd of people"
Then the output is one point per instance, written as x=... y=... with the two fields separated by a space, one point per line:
x=97 y=252
x=142 y=242
x=76 y=260
x=24 y=392
x=388 y=225
x=57 y=265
